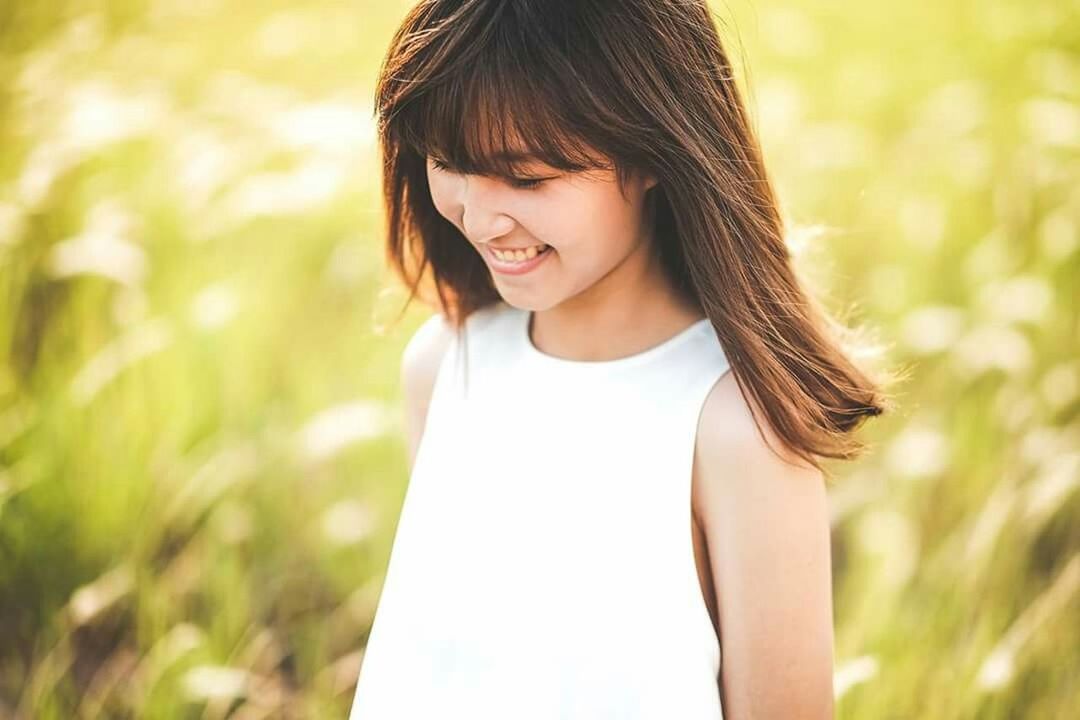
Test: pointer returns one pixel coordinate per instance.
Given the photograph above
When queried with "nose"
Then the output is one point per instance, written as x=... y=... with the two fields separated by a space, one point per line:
x=480 y=216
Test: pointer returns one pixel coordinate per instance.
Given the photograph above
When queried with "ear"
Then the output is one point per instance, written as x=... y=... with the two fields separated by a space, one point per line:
x=649 y=180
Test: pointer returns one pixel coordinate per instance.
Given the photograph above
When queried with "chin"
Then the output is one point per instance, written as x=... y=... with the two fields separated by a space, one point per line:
x=522 y=301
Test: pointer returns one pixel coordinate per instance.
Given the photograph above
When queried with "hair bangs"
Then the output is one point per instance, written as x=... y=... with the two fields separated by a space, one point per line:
x=492 y=117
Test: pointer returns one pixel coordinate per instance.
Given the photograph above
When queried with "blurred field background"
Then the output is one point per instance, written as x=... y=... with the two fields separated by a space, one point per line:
x=201 y=459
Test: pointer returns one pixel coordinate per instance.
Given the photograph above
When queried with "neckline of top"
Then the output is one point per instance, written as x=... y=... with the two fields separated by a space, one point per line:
x=524 y=335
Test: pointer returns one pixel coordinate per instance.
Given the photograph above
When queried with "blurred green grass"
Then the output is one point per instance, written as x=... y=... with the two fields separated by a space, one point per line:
x=201 y=462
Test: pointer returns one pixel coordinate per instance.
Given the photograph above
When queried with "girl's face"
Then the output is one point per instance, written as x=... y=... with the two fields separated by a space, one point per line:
x=589 y=227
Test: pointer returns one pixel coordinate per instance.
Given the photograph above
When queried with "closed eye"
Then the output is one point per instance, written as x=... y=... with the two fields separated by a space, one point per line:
x=526 y=183
x=520 y=183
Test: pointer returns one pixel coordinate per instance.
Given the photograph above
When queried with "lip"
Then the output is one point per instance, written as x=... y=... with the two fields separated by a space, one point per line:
x=515 y=268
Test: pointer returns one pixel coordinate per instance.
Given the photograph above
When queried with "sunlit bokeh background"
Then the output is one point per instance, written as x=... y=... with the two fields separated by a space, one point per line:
x=201 y=450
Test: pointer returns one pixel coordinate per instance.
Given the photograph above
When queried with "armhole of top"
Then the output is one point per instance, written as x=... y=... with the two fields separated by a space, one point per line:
x=444 y=366
x=700 y=396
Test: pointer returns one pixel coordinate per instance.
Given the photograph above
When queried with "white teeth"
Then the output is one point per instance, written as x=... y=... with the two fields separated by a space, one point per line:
x=520 y=255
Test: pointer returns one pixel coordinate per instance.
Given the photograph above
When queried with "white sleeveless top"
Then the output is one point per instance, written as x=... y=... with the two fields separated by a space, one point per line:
x=543 y=563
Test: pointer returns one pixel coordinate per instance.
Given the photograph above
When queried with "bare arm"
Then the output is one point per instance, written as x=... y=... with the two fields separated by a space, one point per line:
x=419 y=364
x=766 y=524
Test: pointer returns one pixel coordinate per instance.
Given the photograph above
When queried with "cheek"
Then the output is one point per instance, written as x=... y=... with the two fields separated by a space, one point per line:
x=441 y=195
x=597 y=223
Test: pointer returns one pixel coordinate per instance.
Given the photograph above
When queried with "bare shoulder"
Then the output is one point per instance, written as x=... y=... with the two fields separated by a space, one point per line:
x=419 y=364
x=764 y=514
x=737 y=451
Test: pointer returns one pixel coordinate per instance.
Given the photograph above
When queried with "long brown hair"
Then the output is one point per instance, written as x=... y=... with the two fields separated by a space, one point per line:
x=648 y=85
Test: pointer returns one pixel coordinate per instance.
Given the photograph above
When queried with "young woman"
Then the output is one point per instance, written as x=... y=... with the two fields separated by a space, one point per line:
x=617 y=418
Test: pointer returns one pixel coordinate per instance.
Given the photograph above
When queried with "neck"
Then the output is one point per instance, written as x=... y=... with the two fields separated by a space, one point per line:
x=633 y=308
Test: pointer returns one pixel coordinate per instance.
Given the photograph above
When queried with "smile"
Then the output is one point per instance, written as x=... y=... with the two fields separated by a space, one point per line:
x=519 y=261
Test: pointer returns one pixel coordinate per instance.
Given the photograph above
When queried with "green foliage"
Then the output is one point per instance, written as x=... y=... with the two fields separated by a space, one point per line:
x=201 y=463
